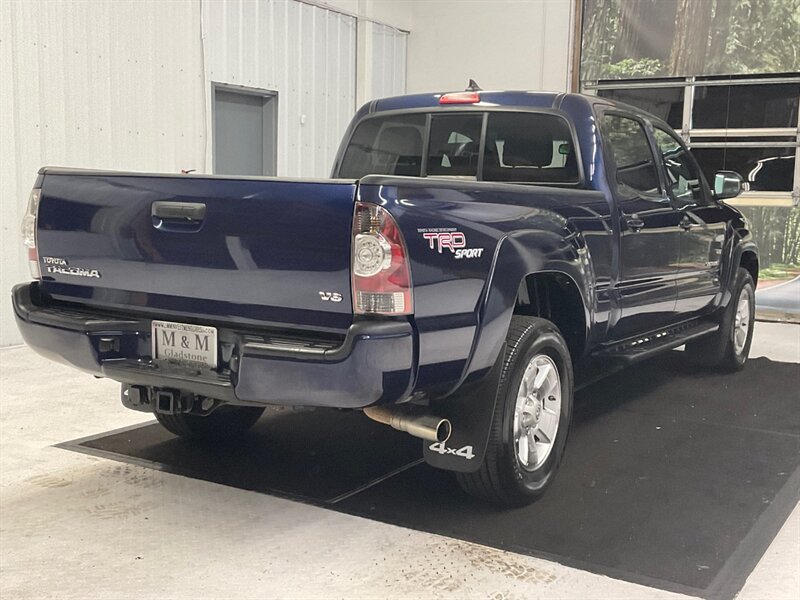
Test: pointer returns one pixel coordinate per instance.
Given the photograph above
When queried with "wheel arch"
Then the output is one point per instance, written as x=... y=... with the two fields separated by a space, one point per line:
x=555 y=296
x=749 y=261
x=531 y=258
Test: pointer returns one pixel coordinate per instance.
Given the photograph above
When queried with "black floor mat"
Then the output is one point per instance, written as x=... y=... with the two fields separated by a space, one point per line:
x=317 y=456
x=673 y=479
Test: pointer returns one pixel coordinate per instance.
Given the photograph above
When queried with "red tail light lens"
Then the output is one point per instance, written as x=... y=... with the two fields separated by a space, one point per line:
x=381 y=278
x=460 y=98
x=29 y=233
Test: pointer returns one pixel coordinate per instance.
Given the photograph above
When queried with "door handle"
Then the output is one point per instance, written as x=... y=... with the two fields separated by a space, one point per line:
x=186 y=212
x=634 y=223
x=686 y=224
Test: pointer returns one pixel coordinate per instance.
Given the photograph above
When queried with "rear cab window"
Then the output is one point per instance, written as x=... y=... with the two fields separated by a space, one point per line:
x=508 y=146
x=529 y=147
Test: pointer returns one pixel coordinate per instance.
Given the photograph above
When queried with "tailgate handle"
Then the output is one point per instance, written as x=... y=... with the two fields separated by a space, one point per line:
x=185 y=212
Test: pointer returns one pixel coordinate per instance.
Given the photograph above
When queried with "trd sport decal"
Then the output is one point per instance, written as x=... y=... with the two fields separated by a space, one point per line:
x=440 y=238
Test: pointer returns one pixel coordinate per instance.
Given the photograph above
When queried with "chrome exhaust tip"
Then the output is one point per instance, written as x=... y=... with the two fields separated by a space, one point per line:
x=426 y=427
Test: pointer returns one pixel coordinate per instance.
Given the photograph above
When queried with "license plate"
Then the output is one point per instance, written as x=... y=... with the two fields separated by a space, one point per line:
x=185 y=343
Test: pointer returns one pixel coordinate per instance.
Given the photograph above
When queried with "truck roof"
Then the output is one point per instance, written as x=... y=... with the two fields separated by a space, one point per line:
x=501 y=98
x=488 y=98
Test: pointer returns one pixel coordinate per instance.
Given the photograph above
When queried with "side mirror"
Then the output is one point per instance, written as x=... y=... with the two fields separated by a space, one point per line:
x=728 y=184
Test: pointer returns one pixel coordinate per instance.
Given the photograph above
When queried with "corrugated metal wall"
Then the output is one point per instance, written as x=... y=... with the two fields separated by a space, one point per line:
x=306 y=54
x=86 y=85
x=389 y=49
x=127 y=85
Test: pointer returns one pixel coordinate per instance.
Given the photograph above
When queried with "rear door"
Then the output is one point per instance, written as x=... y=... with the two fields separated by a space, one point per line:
x=702 y=225
x=648 y=226
x=187 y=248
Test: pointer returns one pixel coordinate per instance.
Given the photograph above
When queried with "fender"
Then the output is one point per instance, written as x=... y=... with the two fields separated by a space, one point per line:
x=471 y=404
x=741 y=241
x=513 y=261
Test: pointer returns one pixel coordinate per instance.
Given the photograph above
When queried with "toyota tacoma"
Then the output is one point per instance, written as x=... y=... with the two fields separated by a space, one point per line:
x=475 y=257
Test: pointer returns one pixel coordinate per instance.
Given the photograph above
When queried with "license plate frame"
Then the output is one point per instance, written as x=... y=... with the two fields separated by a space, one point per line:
x=184 y=343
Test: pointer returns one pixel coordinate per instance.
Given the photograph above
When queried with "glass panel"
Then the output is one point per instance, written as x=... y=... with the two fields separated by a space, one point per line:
x=455 y=144
x=731 y=106
x=665 y=103
x=684 y=185
x=636 y=169
x=529 y=148
x=776 y=231
x=765 y=169
x=625 y=39
x=385 y=146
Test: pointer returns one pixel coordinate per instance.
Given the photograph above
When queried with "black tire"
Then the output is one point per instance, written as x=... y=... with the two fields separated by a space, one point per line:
x=719 y=350
x=224 y=424
x=501 y=478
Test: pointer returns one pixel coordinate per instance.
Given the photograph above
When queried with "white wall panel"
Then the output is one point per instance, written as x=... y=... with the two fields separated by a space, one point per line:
x=502 y=44
x=388 y=61
x=127 y=85
x=305 y=53
x=92 y=84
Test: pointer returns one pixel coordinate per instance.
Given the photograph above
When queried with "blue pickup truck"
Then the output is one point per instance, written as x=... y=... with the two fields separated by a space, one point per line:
x=475 y=257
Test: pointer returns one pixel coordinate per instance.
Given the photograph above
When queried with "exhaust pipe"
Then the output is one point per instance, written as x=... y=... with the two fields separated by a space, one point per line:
x=426 y=427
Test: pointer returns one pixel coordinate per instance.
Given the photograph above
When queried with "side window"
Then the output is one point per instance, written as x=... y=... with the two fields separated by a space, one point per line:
x=636 y=169
x=683 y=176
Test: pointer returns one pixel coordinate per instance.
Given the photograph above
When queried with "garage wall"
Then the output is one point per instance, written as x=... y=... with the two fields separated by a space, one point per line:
x=127 y=85
x=87 y=86
x=305 y=53
x=502 y=44
x=389 y=47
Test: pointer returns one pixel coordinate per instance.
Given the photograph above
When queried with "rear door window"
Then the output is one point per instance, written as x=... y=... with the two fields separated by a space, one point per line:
x=529 y=147
x=636 y=168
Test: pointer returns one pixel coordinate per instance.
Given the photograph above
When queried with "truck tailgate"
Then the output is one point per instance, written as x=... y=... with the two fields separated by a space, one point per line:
x=271 y=252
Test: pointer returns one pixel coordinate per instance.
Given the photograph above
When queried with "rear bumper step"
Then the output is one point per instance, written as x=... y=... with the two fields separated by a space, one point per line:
x=373 y=364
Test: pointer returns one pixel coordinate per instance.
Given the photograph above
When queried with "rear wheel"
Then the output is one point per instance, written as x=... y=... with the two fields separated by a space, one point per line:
x=728 y=348
x=531 y=419
x=225 y=423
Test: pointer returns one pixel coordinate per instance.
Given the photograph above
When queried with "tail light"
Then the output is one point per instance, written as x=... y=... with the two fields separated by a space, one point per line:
x=381 y=278
x=29 y=233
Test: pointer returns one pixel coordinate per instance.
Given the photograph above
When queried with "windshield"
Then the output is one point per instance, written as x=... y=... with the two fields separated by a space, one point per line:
x=524 y=147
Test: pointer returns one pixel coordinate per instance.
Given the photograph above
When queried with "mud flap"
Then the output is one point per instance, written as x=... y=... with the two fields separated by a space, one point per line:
x=470 y=411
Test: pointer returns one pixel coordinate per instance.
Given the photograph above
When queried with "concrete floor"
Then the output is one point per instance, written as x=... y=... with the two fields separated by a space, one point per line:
x=76 y=526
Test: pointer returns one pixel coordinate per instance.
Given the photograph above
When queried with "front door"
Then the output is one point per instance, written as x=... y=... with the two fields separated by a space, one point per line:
x=649 y=230
x=702 y=227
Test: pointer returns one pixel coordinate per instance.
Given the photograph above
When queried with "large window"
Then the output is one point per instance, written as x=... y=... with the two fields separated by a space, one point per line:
x=744 y=124
x=664 y=102
x=745 y=106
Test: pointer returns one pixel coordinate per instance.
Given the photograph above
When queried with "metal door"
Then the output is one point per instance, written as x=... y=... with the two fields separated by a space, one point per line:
x=244 y=132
